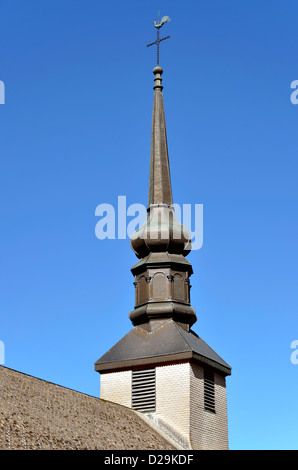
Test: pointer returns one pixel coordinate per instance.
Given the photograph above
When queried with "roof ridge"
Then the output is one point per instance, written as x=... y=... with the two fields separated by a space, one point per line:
x=221 y=361
x=178 y=329
x=47 y=381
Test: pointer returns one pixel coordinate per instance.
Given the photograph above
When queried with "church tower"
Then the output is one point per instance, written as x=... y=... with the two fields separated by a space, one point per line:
x=161 y=367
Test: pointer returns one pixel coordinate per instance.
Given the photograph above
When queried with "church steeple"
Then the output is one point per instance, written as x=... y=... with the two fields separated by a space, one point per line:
x=162 y=274
x=160 y=190
x=161 y=231
x=161 y=367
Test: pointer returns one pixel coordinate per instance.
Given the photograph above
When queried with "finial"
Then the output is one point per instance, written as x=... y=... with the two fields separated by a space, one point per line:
x=158 y=71
x=165 y=19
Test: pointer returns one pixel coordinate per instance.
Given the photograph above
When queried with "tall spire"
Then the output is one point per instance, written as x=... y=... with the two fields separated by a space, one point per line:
x=161 y=343
x=162 y=274
x=160 y=191
x=161 y=231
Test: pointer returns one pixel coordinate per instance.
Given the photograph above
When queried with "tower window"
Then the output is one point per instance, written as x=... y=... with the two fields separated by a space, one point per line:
x=209 y=391
x=143 y=390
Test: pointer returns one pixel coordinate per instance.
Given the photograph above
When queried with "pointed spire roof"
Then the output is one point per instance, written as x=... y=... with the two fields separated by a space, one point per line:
x=160 y=190
x=161 y=231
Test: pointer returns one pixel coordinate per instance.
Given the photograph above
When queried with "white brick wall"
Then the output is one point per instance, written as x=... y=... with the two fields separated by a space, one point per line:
x=208 y=430
x=179 y=402
x=173 y=396
x=116 y=387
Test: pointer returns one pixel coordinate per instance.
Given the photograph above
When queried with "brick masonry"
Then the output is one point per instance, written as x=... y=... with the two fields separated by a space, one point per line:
x=173 y=396
x=207 y=430
x=179 y=403
x=116 y=387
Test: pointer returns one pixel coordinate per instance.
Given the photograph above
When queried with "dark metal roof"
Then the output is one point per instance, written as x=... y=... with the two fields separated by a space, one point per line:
x=169 y=342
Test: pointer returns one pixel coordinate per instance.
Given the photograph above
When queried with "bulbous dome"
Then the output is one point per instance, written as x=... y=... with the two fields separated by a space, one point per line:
x=161 y=232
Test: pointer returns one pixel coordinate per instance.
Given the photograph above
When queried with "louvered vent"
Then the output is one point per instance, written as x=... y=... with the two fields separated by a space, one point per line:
x=209 y=391
x=143 y=390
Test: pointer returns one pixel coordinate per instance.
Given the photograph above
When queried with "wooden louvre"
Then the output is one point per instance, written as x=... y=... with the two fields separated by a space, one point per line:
x=209 y=391
x=143 y=390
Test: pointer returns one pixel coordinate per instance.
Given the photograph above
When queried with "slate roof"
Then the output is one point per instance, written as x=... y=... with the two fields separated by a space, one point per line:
x=169 y=342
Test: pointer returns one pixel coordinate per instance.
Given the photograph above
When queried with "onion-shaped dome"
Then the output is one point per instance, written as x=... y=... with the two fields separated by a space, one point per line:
x=161 y=232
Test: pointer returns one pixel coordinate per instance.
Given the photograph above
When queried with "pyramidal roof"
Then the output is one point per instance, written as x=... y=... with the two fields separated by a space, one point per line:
x=168 y=342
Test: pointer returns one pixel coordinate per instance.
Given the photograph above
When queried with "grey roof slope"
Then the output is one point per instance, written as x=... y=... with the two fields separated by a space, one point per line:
x=35 y=414
x=168 y=342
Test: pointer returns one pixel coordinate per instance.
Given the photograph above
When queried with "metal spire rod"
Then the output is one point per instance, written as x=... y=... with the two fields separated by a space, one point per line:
x=164 y=20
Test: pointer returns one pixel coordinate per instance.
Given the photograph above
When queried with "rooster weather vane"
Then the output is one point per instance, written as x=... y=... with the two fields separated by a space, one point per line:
x=165 y=19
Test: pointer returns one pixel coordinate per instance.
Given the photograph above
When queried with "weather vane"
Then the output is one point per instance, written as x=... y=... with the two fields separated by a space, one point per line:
x=165 y=19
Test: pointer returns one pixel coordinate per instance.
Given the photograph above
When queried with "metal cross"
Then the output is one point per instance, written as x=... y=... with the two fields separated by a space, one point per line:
x=164 y=20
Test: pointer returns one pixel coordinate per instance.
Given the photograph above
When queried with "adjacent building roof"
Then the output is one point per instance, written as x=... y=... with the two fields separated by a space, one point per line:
x=167 y=343
x=35 y=414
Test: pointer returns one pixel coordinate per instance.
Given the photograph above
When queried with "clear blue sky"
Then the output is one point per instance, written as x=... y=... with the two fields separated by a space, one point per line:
x=75 y=133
